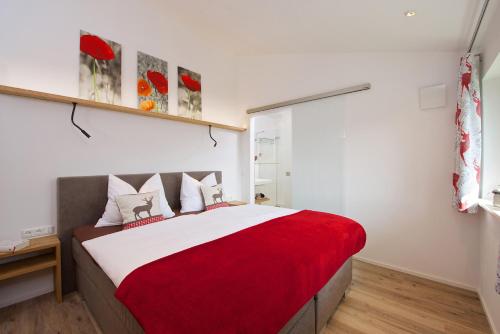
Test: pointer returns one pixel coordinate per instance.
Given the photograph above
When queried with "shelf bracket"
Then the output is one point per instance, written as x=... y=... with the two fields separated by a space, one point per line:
x=210 y=134
x=85 y=133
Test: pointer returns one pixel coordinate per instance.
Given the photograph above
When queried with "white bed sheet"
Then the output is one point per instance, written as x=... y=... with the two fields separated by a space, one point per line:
x=118 y=254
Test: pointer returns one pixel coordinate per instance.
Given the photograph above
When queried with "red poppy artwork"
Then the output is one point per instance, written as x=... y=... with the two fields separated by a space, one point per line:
x=189 y=92
x=152 y=83
x=100 y=69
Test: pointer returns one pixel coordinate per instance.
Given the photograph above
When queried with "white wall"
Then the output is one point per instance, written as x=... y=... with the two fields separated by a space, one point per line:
x=40 y=47
x=490 y=224
x=491 y=135
x=398 y=158
x=489 y=47
x=489 y=248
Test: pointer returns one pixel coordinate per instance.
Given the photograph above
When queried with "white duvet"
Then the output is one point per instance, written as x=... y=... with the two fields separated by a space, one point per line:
x=118 y=254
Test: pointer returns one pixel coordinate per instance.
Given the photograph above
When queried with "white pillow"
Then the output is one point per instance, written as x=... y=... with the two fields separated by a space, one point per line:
x=118 y=187
x=191 y=197
x=154 y=183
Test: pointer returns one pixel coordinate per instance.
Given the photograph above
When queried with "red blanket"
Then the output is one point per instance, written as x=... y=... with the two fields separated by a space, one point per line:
x=252 y=281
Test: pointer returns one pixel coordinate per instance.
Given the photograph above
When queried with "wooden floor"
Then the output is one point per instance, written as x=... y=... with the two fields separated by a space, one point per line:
x=387 y=301
x=379 y=301
x=43 y=315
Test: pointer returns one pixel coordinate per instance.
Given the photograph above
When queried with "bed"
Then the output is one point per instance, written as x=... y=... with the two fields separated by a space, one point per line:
x=81 y=201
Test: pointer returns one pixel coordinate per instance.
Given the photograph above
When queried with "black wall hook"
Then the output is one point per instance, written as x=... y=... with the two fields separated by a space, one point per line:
x=210 y=134
x=85 y=133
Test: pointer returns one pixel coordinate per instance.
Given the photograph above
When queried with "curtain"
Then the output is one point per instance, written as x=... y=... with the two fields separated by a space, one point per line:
x=467 y=173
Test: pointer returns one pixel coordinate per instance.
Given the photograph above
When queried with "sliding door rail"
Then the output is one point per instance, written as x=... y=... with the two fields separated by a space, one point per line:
x=343 y=91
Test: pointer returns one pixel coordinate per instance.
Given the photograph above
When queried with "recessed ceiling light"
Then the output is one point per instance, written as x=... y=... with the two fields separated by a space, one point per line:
x=410 y=13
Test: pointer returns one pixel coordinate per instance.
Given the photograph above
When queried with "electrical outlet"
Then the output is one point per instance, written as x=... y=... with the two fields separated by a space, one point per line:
x=37 y=231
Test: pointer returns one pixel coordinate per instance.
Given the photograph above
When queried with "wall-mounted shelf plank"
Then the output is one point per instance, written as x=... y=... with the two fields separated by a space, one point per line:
x=110 y=107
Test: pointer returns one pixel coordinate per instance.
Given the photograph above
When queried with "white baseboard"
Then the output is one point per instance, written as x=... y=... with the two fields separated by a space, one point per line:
x=418 y=274
x=28 y=294
x=489 y=316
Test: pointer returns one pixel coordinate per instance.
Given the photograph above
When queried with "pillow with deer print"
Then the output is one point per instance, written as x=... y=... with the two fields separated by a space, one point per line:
x=213 y=196
x=140 y=209
x=117 y=187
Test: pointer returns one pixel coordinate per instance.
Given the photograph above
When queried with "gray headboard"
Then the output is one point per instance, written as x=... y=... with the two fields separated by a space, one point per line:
x=81 y=201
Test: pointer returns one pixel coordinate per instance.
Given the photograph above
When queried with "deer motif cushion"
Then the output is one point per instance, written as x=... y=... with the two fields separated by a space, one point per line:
x=191 y=196
x=117 y=187
x=213 y=197
x=139 y=209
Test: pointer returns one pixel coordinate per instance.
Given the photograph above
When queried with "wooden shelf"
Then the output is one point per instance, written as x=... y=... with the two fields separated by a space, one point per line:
x=36 y=244
x=25 y=266
x=110 y=107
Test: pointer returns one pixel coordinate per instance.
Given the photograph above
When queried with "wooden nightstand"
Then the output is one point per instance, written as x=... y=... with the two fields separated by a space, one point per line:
x=46 y=253
x=236 y=203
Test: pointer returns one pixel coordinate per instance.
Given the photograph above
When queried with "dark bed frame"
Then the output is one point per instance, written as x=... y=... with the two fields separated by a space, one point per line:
x=81 y=201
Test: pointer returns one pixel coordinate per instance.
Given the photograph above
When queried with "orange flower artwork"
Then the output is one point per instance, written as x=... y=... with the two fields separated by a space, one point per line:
x=147 y=105
x=143 y=88
x=152 y=83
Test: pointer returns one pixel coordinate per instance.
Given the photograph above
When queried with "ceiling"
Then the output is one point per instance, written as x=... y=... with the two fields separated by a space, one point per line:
x=298 y=26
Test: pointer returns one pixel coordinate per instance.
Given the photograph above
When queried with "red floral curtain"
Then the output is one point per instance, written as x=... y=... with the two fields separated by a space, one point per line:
x=467 y=174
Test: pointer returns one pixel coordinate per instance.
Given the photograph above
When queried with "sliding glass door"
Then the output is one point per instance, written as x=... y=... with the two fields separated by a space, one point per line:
x=318 y=138
x=299 y=156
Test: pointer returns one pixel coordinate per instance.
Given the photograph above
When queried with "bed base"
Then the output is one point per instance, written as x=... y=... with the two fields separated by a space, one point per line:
x=98 y=291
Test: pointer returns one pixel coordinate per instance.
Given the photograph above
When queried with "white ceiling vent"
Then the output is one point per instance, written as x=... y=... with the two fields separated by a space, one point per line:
x=433 y=97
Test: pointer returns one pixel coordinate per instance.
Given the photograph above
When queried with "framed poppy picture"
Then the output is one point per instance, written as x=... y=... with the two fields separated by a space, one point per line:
x=152 y=83
x=100 y=69
x=189 y=93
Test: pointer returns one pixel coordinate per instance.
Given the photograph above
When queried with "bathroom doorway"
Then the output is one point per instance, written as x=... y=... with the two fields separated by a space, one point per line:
x=297 y=155
x=272 y=158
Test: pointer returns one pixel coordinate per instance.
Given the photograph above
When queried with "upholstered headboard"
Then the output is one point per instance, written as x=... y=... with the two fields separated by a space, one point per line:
x=81 y=201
